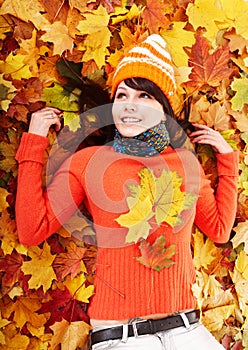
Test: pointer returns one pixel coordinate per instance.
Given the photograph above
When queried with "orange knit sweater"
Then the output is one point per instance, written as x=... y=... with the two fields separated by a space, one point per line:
x=124 y=288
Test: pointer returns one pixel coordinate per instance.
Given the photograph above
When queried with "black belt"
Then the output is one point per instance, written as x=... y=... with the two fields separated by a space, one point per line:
x=144 y=327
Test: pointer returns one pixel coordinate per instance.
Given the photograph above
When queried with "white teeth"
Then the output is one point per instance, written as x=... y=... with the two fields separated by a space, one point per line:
x=130 y=120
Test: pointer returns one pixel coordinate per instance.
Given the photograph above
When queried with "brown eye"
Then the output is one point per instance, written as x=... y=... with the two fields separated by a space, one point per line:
x=120 y=95
x=145 y=95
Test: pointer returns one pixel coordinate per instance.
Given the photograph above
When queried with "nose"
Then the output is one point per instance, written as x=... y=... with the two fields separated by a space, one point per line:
x=130 y=107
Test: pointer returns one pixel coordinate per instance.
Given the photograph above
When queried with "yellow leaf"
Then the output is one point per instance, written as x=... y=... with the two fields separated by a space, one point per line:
x=96 y=25
x=77 y=288
x=7 y=92
x=14 y=340
x=39 y=267
x=241 y=287
x=214 y=319
x=203 y=250
x=32 y=53
x=26 y=10
x=170 y=201
x=205 y=13
x=96 y=47
x=8 y=150
x=138 y=231
x=177 y=38
x=8 y=234
x=94 y=22
x=16 y=67
x=3 y=195
x=121 y=14
x=241 y=264
x=236 y=15
x=241 y=236
x=58 y=34
x=5 y=26
x=71 y=335
x=138 y=212
x=25 y=312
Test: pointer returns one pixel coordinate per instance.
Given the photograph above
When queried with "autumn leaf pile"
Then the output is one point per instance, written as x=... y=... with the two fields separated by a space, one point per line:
x=50 y=53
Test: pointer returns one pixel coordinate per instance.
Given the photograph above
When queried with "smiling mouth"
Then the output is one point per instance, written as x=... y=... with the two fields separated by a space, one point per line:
x=130 y=120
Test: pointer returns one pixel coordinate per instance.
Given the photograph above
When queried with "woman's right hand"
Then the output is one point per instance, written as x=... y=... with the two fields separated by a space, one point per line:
x=42 y=120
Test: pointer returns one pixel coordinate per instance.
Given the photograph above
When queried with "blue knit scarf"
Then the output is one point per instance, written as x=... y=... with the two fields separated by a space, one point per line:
x=148 y=143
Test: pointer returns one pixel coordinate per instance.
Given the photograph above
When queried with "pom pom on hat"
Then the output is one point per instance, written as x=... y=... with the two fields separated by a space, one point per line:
x=149 y=60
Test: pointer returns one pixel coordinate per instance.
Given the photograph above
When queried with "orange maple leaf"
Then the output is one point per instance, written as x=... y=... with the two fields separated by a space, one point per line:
x=70 y=335
x=154 y=15
x=156 y=256
x=70 y=262
x=208 y=69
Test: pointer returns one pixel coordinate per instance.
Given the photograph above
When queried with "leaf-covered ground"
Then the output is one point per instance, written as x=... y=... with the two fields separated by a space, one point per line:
x=50 y=53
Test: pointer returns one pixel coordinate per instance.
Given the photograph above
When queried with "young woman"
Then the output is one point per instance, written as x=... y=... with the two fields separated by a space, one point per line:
x=144 y=192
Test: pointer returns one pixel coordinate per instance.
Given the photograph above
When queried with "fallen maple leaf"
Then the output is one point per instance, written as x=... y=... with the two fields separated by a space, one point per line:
x=70 y=262
x=203 y=250
x=241 y=97
x=154 y=15
x=214 y=319
x=63 y=305
x=58 y=34
x=7 y=92
x=156 y=256
x=15 y=66
x=3 y=195
x=71 y=335
x=177 y=38
x=25 y=10
x=39 y=267
x=241 y=236
x=205 y=13
x=10 y=266
x=78 y=289
x=25 y=312
x=98 y=39
x=208 y=69
x=8 y=150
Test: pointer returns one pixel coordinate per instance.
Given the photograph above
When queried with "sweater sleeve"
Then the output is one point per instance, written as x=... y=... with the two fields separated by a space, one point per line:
x=215 y=214
x=39 y=214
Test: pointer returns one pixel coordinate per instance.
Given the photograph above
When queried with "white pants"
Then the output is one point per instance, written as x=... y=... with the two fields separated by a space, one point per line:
x=194 y=338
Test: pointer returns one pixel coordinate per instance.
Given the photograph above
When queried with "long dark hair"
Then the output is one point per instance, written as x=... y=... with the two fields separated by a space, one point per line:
x=177 y=134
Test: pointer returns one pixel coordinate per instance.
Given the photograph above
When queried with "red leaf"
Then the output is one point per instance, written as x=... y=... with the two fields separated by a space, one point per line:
x=11 y=266
x=64 y=306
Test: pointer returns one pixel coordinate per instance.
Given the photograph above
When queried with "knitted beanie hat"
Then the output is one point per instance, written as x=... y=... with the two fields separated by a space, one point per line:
x=149 y=60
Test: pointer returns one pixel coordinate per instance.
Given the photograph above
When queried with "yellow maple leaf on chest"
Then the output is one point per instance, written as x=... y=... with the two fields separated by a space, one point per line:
x=158 y=199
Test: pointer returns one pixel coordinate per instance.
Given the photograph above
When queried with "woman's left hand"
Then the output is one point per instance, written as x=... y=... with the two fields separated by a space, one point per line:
x=208 y=136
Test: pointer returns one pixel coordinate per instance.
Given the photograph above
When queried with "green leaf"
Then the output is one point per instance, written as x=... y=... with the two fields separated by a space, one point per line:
x=241 y=97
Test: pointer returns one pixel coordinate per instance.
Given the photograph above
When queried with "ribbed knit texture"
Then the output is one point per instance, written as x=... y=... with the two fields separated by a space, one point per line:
x=124 y=288
x=149 y=60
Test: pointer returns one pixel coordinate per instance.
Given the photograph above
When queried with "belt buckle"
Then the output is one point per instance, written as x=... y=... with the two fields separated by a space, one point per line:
x=134 y=326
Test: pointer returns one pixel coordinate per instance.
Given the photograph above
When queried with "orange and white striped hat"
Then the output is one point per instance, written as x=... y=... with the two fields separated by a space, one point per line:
x=149 y=60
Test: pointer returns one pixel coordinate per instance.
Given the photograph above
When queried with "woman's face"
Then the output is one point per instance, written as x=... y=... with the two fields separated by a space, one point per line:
x=135 y=111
